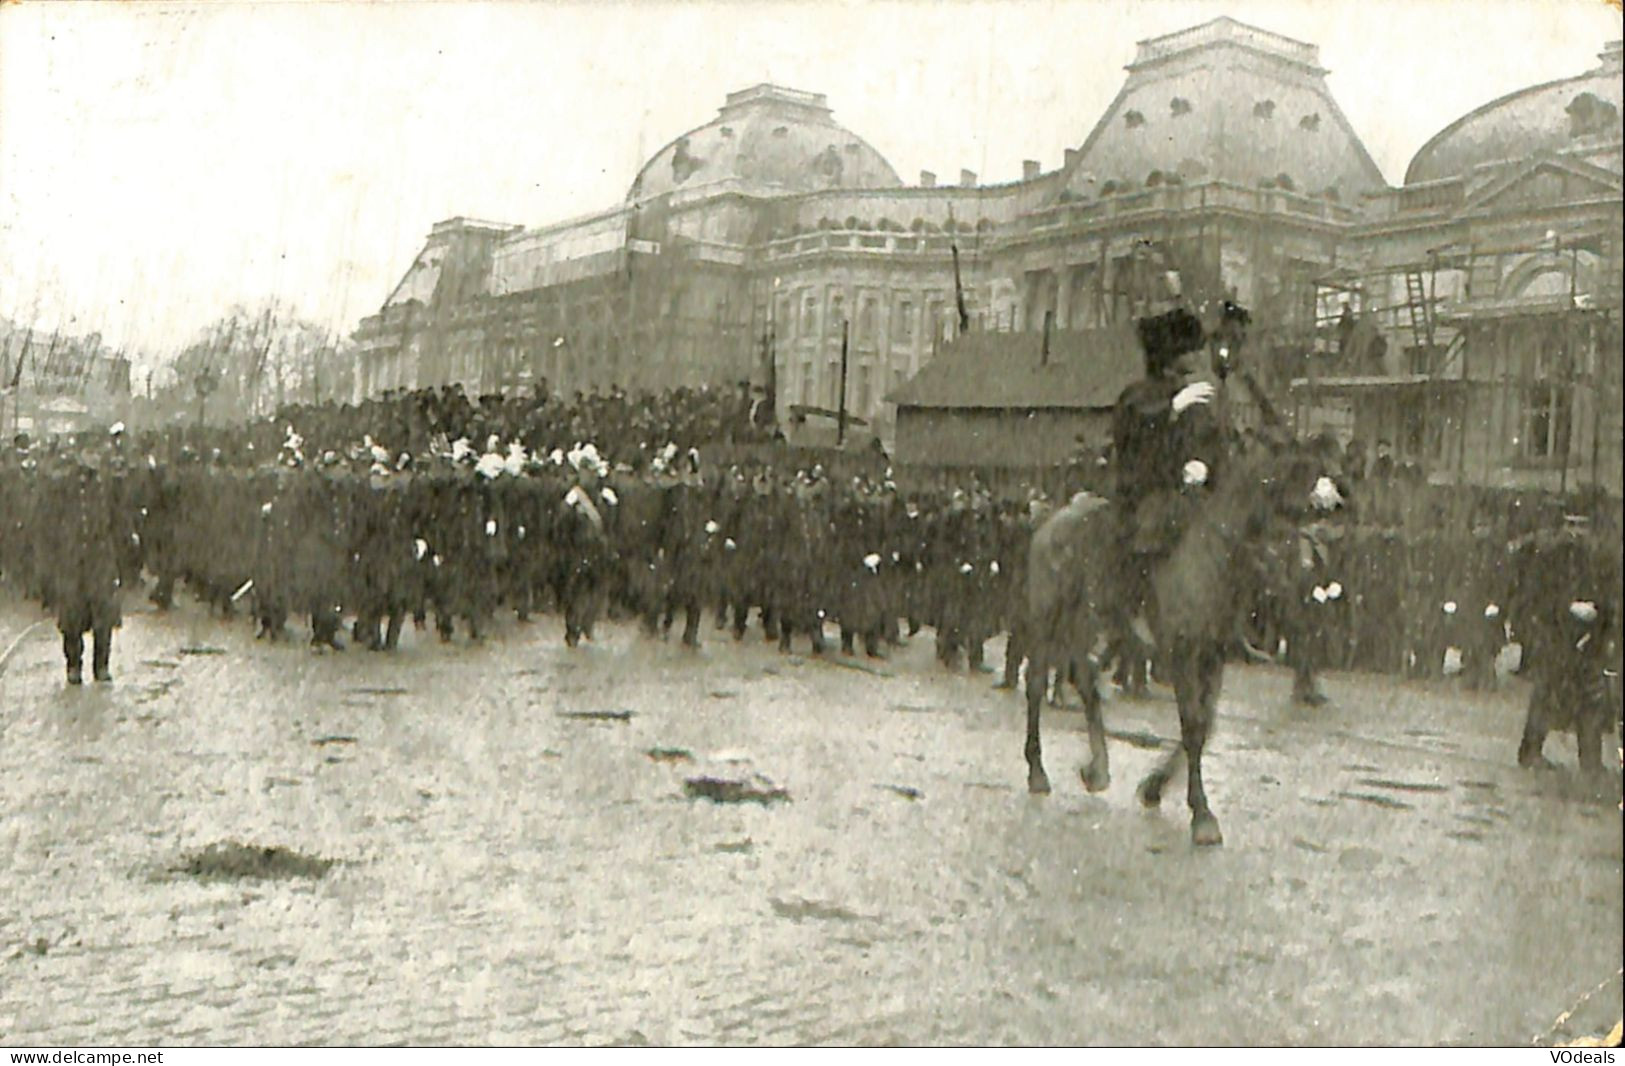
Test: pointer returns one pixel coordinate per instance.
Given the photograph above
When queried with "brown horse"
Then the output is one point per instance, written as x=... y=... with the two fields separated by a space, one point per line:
x=1197 y=591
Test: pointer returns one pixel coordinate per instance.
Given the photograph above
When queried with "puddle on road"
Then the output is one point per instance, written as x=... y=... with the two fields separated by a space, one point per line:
x=157 y=690
x=800 y=909
x=597 y=716
x=234 y=861
x=1144 y=741
x=1402 y=786
x=719 y=790
x=1386 y=802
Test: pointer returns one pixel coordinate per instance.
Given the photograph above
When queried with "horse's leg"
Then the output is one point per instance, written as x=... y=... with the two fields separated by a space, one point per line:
x=1098 y=774
x=1037 y=683
x=1184 y=684
x=1195 y=721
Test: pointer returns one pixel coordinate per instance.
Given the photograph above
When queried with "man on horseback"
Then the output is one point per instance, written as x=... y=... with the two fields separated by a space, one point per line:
x=1171 y=440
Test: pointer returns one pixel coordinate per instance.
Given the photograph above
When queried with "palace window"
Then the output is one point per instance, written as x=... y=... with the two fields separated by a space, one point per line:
x=903 y=327
x=1548 y=402
x=868 y=324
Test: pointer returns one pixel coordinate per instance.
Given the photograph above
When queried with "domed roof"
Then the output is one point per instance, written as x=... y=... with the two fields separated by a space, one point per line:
x=1226 y=101
x=1558 y=116
x=772 y=140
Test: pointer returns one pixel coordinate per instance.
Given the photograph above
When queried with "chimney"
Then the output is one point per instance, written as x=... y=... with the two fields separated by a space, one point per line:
x=967 y=179
x=928 y=180
x=1030 y=169
x=1071 y=157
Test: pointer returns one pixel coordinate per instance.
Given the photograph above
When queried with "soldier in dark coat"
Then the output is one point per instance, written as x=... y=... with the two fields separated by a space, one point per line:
x=85 y=573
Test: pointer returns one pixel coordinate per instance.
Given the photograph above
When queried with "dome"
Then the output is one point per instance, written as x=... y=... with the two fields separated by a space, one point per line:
x=1229 y=102
x=771 y=140
x=1559 y=116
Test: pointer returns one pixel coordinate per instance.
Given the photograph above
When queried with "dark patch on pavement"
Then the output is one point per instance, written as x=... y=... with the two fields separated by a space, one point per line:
x=1361 y=768
x=380 y=691
x=1402 y=786
x=202 y=649
x=161 y=664
x=597 y=716
x=334 y=739
x=1309 y=845
x=1387 y=802
x=718 y=790
x=1476 y=819
x=723 y=694
x=859 y=665
x=799 y=909
x=735 y=847
x=987 y=786
x=234 y=861
x=670 y=755
x=1488 y=786
x=1146 y=741
x=157 y=690
x=910 y=708
x=905 y=791
x=1466 y=834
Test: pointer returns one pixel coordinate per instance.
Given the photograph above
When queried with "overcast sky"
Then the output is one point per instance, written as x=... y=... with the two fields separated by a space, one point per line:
x=159 y=162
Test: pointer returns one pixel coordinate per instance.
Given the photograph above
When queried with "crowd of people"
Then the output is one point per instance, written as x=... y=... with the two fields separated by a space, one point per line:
x=430 y=507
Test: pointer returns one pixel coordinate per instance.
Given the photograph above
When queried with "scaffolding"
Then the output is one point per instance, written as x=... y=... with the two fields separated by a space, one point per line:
x=1534 y=363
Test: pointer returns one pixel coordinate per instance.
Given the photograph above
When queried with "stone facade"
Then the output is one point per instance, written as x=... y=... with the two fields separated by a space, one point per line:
x=747 y=247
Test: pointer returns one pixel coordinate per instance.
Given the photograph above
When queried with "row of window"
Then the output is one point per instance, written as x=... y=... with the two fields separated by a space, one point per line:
x=798 y=316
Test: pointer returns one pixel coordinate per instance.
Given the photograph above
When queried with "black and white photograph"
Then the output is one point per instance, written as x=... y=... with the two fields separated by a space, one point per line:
x=886 y=523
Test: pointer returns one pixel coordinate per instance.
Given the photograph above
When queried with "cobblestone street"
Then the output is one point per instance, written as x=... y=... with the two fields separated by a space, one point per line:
x=511 y=870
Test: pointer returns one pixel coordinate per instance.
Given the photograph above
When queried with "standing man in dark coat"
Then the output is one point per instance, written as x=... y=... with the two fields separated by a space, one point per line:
x=85 y=585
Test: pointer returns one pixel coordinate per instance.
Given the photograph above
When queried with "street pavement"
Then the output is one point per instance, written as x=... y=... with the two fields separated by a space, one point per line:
x=516 y=861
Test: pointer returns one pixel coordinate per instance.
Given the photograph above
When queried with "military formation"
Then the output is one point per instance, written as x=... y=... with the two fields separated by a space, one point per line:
x=330 y=523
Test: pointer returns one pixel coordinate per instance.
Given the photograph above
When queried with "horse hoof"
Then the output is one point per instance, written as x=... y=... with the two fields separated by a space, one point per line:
x=1095 y=779
x=1205 y=831
x=1038 y=784
x=1151 y=791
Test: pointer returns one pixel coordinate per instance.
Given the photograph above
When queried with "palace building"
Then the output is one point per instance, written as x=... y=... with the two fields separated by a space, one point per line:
x=1469 y=317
